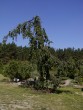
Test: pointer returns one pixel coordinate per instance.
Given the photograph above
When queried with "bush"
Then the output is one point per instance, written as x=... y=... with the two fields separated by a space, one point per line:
x=39 y=84
x=1 y=67
x=11 y=70
x=25 y=69
x=18 y=69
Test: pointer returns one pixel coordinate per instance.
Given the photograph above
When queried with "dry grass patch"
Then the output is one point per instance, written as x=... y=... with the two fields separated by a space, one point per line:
x=17 y=98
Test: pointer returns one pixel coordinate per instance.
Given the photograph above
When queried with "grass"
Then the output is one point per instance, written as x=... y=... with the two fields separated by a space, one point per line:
x=13 y=97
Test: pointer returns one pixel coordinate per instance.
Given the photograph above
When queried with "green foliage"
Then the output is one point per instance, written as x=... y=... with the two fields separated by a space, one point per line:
x=38 y=42
x=11 y=70
x=16 y=69
x=39 y=85
x=1 y=67
x=25 y=69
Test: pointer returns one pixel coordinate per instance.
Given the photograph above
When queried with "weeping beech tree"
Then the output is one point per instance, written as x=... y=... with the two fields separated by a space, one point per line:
x=39 y=44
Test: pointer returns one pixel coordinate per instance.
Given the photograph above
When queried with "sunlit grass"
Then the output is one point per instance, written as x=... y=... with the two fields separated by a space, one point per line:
x=13 y=97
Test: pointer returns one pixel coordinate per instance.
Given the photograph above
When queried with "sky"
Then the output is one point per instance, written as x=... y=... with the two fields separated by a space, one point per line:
x=62 y=20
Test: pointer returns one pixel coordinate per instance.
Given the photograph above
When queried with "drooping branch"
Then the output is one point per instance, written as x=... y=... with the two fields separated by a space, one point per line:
x=31 y=29
x=38 y=41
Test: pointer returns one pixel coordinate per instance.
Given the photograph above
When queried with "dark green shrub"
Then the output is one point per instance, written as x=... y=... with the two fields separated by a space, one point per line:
x=39 y=84
x=1 y=67
x=11 y=70
x=25 y=69
x=18 y=69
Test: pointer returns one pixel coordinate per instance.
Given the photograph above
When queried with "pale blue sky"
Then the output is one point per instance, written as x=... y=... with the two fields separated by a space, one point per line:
x=62 y=19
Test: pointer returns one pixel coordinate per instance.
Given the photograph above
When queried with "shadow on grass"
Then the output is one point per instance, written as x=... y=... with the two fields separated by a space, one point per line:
x=4 y=80
x=43 y=108
x=63 y=91
x=48 y=90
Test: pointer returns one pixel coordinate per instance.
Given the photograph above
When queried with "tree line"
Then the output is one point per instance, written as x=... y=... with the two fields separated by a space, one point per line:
x=67 y=62
x=11 y=51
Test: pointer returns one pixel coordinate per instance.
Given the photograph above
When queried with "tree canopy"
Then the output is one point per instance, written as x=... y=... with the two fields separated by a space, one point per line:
x=38 y=42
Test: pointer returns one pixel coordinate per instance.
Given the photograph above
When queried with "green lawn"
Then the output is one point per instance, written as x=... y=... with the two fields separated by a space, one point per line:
x=13 y=97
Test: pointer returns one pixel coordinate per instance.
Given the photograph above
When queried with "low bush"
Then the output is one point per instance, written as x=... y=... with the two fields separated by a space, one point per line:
x=18 y=69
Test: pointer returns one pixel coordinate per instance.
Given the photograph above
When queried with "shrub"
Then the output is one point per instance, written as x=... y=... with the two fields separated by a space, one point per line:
x=25 y=69
x=18 y=69
x=1 y=67
x=11 y=70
